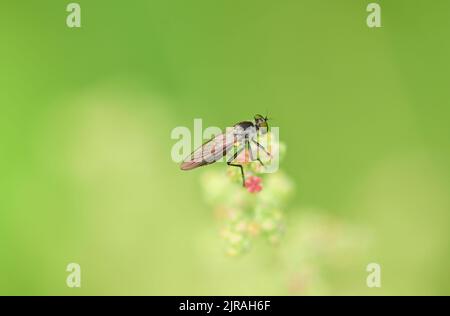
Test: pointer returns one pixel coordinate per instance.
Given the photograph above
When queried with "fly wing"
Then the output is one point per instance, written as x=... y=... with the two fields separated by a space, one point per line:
x=211 y=151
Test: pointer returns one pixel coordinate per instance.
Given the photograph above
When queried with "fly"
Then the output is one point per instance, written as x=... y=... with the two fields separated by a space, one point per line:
x=243 y=134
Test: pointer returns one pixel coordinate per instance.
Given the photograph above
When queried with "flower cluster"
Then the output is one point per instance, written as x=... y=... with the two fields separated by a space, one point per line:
x=253 y=184
x=250 y=212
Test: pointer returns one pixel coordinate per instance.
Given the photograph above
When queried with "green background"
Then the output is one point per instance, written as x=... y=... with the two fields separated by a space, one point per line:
x=85 y=122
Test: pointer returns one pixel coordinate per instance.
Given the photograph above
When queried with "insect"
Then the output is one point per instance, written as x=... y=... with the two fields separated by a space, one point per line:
x=243 y=134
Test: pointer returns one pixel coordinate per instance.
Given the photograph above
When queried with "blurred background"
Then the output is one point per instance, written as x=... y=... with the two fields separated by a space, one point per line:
x=85 y=121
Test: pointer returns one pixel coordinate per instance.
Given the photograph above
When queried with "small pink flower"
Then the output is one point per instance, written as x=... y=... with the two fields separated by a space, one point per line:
x=253 y=184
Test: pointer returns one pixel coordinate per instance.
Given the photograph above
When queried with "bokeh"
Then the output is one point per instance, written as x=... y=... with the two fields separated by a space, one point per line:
x=86 y=174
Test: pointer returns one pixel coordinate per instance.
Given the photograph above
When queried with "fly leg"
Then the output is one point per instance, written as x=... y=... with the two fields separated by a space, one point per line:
x=249 y=148
x=262 y=147
x=229 y=162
